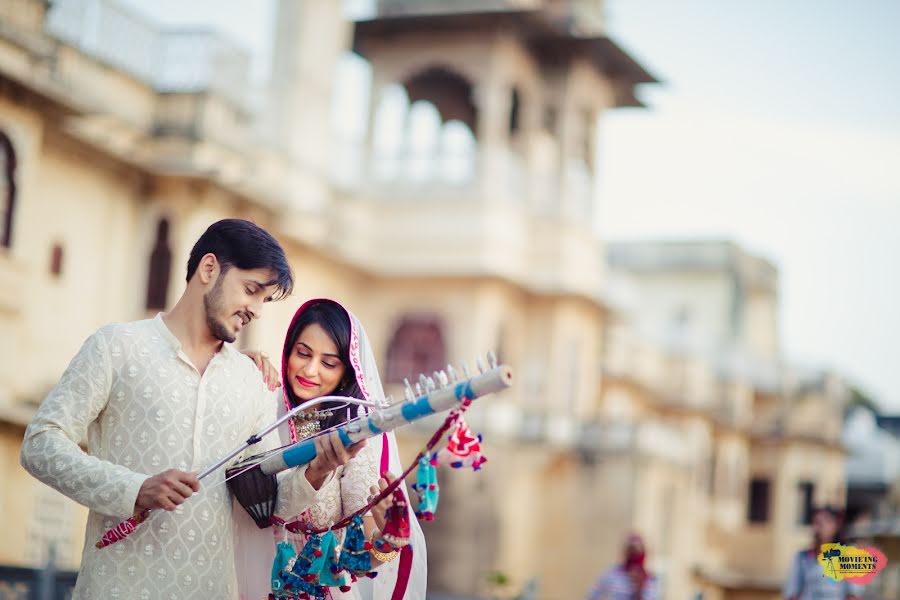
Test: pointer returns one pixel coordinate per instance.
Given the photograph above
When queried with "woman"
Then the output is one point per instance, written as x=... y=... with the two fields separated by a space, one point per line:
x=327 y=352
x=806 y=579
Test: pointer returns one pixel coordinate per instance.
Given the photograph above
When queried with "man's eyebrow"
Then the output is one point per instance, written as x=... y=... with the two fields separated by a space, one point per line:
x=262 y=284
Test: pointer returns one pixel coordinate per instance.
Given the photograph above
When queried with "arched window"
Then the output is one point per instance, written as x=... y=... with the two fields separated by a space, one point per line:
x=160 y=267
x=7 y=190
x=417 y=346
x=449 y=92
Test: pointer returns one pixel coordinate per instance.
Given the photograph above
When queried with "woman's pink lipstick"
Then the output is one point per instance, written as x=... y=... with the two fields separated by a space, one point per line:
x=306 y=382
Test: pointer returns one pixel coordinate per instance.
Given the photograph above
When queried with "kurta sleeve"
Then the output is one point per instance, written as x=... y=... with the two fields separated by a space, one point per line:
x=50 y=450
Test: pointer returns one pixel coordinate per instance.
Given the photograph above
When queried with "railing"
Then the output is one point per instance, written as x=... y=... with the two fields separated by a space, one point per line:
x=417 y=7
x=452 y=170
x=19 y=583
x=168 y=60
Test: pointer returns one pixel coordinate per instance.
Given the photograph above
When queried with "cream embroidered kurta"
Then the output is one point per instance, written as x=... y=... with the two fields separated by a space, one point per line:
x=144 y=409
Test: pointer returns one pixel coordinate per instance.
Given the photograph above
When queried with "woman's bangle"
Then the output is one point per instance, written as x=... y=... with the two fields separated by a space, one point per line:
x=382 y=556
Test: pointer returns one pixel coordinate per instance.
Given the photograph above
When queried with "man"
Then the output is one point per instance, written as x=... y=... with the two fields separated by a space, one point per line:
x=158 y=400
x=629 y=580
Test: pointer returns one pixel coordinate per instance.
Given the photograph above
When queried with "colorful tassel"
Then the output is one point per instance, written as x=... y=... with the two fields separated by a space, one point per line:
x=302 y=576
x=284 y=560
x=463 y=448
x=355 y=556
x=396 y=526
x=331 y=574
x=427 y=488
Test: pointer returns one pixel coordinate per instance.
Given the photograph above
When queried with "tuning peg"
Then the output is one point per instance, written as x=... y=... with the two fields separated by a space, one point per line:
x=465 y=370
x=492 y=359
x=389 y=401
x=443 y=379
x=418 y=390
x=451 y=372
x=408 y=391
x=429 y=384
x=479 y=363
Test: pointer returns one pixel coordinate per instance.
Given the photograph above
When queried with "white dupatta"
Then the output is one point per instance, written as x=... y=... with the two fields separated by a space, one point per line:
x=255 y=548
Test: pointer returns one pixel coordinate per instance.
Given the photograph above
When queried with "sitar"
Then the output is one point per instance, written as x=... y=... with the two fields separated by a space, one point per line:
x=253 y=481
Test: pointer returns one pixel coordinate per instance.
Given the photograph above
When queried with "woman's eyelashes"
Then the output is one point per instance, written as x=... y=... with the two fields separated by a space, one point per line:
x=325 y=363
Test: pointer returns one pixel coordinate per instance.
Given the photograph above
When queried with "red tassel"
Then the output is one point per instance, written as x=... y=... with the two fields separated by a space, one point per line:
x=345 y=588
x=317 y=553
x=432 y=487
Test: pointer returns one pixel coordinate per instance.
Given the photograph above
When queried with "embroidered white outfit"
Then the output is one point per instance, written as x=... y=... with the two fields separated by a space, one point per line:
x=343 y=494
x=144 y=408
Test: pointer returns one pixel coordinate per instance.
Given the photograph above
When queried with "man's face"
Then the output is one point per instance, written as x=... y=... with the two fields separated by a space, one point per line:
x=634 y=545
x=825 y=526
x=236 y=297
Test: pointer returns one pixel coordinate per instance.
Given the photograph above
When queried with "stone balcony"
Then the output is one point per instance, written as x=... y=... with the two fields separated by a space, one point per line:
x=167 y=60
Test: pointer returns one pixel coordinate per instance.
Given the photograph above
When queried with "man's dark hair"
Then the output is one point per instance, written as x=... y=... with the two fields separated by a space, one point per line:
x=244 y=245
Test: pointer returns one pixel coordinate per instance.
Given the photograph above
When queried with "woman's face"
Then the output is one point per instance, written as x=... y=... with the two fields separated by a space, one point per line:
x=314 y=367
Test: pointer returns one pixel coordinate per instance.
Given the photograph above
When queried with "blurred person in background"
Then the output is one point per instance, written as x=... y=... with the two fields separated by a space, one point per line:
x=806 y=580
x=629 y=580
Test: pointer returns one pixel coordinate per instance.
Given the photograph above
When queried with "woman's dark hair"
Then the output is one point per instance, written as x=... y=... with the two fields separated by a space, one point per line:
x=331 y=317
x=839 y=515
x=245 y=245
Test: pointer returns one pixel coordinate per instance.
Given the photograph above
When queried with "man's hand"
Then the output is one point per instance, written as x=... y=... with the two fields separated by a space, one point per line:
x=330 y=454
x=269 y=372
x=166 y=490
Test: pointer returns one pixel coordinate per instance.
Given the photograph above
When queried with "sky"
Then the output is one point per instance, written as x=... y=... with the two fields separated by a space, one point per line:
x=777 y=125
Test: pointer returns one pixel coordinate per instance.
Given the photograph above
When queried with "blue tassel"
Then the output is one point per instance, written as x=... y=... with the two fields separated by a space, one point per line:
x=331 y=574
x=427 y=488
x=303 y=576
x=355 y=557
x=283 y=555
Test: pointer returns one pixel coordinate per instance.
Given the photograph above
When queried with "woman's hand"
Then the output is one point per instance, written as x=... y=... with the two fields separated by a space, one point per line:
x=270 y=373
x=330 y=454
x=379 y=509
